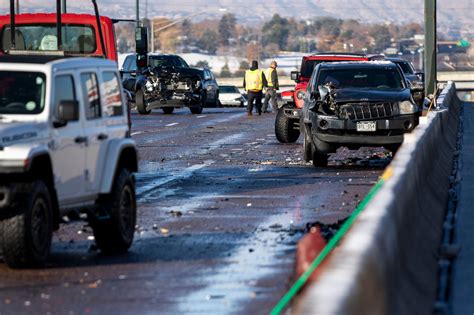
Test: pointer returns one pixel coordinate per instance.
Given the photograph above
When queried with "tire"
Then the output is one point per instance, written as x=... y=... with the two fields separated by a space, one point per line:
x=115 y=234
x=25 y=239
x=307 y=147
x=167 y=110
x=217 y=103
x=319 y=157
x=285 y=128
x=197 y=109
x=140 y=102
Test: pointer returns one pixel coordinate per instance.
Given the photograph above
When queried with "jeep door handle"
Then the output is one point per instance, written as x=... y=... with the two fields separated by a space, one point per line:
x=102 y=136
x=80 y=140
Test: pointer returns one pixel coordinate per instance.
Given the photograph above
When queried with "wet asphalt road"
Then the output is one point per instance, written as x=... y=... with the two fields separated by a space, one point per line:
x=221 y=205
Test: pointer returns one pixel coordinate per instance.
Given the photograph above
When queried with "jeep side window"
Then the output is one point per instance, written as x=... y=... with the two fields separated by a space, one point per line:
x=64 y=89
x=113 y=98
x=90 y=95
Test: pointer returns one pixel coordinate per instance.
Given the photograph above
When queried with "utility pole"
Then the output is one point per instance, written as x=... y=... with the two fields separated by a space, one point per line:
x=17 y=11
x=430 y=46
x=64 y=6
x=138 y=12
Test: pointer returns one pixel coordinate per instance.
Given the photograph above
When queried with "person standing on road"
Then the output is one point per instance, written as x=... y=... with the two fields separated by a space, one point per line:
x=254 y=82
x=271 y=93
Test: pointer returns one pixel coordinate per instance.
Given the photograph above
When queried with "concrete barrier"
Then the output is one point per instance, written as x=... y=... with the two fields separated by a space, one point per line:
x=388 y=262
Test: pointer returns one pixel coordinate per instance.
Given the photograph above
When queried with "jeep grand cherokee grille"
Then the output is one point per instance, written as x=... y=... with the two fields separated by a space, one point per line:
x=364 y=111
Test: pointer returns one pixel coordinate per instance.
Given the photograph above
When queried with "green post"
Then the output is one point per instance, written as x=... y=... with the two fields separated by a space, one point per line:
x=430 y=46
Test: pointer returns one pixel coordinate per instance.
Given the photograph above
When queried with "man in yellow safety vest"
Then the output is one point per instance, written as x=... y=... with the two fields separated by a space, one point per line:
x=254 y=82
x=271 y=93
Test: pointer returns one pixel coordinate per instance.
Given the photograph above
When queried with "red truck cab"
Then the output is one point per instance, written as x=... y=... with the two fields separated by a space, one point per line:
x=287 y=120
x=80 y=34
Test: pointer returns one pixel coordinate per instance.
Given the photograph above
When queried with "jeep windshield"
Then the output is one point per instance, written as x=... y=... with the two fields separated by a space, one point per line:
x=384 y=78
x=76 y=39
x=22 y=93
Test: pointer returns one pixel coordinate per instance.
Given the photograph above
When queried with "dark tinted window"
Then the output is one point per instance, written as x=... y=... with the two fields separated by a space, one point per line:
x=75 y=38
x=22 y=92
x=90 y=94
x=406 y=68
x=308 y=66
x=113 y=99
x=360 y=78
x=64 y=89
x=162 y=61
x=228 y=89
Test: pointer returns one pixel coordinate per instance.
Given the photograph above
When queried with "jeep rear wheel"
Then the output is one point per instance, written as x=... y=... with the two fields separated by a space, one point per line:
x=167 y=110
x=115 y=234
x=140 y=102
x=26 y=238
x=285 y=130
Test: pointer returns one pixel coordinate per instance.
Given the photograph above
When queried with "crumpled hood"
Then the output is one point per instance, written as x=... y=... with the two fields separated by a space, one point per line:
x=360 y=95
x=21 y=132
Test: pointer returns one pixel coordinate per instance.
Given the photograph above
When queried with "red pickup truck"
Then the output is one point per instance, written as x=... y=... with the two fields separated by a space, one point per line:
x=287 y=121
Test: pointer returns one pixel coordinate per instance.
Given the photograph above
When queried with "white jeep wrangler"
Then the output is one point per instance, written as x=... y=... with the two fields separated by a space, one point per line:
x=65 y=149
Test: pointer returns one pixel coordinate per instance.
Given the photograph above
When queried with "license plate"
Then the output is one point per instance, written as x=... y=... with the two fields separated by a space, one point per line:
x=366 y=126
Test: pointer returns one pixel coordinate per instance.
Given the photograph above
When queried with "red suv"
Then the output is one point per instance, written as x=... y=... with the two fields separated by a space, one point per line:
x=287 y=122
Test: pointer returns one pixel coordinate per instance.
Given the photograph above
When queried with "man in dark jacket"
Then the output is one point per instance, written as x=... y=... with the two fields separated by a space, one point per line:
x=254 y=82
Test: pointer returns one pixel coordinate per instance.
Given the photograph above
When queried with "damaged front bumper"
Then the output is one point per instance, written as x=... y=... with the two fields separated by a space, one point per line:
x=390 y=130
x=176 y=100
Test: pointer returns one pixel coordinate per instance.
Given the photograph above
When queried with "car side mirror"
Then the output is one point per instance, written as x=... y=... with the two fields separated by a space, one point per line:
x=295 y=76
x=421 y=75
x=67 y=111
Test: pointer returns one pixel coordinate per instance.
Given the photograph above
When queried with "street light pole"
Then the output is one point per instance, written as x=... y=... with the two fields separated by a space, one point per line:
x=138 y=12
x=64 y=6
x=430 y=46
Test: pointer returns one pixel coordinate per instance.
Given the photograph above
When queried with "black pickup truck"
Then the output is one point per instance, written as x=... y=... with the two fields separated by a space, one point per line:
x=168 y=82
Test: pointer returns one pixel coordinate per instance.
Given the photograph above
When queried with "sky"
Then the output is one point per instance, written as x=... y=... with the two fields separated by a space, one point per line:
x=399 y=11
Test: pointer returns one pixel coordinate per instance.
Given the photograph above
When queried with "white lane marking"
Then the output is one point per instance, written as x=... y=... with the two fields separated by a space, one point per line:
x=185 y=173
x=172 y=124
x=202 y=116
x=136 y=133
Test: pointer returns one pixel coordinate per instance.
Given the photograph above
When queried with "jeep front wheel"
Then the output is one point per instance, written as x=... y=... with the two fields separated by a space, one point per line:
x=26 y=238
x=140 y=103
x=115 y=233
x=285 y=130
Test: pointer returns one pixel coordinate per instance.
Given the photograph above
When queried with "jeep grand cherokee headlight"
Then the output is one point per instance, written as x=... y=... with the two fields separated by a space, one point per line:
x=407 y=107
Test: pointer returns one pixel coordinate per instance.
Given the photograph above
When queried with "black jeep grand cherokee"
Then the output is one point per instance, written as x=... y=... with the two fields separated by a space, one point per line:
x=356 y=104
